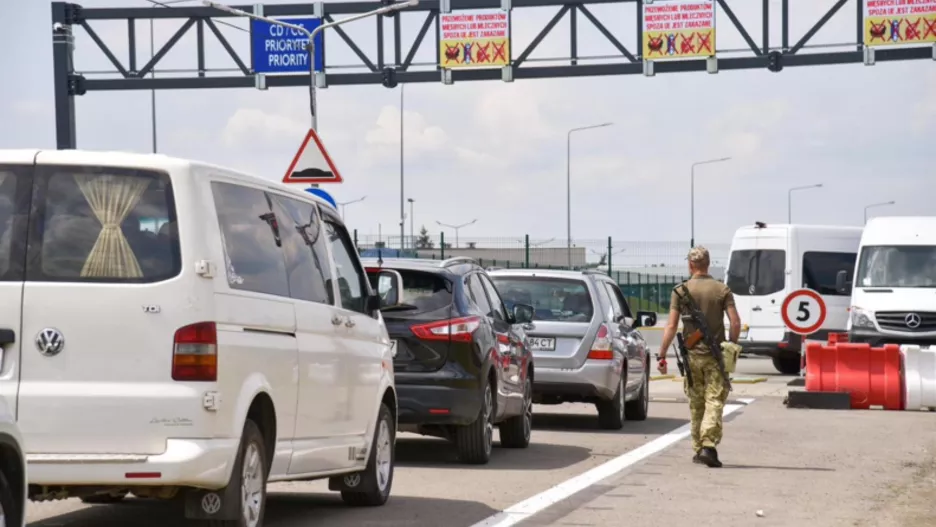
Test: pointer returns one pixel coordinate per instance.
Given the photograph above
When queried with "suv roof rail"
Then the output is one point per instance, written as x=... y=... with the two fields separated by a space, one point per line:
x=594 y=271
x=456 y=260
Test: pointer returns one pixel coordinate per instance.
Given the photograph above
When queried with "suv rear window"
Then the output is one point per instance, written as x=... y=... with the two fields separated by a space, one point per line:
x=103 y=225
x=756 y=272
x=422 y=292
x=558 y=299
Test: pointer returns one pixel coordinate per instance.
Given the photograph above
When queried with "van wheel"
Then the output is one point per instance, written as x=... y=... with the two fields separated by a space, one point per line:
x=113 y=497
x=377 y=479
x=787 y=364
x=250 y=476
x=9 y=508
x=638 y=409
x=611 y=413
x=475 y=441
x=516 y=431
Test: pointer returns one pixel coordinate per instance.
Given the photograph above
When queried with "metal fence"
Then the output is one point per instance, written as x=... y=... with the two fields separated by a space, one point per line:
x=645 y=271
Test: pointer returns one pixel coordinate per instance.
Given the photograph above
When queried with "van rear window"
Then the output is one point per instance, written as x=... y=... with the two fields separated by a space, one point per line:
x=103 y=225
x=756 y=272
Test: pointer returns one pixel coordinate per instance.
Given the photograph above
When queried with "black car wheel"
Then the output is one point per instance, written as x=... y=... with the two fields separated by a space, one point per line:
x=516 y=431
x=475 y=441
x=9 y=508
x=638 y=409
x=611 y=413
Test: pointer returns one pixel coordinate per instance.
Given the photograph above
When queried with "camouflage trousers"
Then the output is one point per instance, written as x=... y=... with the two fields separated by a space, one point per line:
x=707 y=397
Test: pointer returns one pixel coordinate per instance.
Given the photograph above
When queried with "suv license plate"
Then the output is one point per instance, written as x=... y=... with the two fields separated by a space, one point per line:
x=541 y=344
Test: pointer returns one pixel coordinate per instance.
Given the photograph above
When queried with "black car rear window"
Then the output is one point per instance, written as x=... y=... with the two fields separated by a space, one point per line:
x=557 y=299
x=422 y=292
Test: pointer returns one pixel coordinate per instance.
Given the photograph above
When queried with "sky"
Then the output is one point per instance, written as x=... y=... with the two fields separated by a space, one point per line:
x=496 y=151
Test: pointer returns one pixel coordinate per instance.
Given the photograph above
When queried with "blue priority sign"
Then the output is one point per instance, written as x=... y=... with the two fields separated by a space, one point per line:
x=280 y=49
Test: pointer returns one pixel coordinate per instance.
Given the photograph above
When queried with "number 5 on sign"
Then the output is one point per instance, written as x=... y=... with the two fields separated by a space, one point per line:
x=803 y=311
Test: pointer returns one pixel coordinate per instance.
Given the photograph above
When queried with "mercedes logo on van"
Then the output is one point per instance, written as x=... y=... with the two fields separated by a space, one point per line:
x=50 y=342
x=913 y=320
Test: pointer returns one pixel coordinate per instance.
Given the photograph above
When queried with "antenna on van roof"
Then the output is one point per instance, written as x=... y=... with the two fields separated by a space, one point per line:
x=760 y=225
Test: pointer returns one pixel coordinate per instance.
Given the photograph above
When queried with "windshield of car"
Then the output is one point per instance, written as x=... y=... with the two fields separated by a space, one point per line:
x=556 y=299
x=756 y=272
x=897 y=266
x=422 y=292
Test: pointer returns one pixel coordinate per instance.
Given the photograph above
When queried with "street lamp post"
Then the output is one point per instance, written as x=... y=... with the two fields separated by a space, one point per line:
x=402 y=211
x=875 y=205
x=456 y=227
x=790 y=199
x=310 y=47
x=346 y=203
x=412 y=238
x=569 y=186
x=692 y=195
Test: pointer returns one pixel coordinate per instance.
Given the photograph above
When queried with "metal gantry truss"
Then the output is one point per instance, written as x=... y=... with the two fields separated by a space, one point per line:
x=377 y=68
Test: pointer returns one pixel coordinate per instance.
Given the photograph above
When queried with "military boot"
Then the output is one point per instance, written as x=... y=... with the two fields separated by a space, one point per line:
x=709 y=456
x=696 y=459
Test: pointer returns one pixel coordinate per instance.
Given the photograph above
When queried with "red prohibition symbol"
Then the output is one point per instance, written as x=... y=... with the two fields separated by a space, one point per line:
x=803 y=311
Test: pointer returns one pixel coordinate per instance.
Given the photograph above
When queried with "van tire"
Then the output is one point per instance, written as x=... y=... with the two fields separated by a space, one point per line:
x=252 y=446
x=104 y=499
x=371 y=493
x=11 y=508
x=476 y=441
x=611 y=413
x=787 y=363
x=516 y=431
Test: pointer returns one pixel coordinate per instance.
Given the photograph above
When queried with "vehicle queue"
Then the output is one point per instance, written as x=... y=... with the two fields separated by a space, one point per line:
x=189 y=332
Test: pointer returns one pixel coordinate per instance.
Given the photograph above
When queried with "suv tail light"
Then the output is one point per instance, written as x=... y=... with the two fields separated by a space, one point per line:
x=195 y=353
x=601 y=348
x=456 y=329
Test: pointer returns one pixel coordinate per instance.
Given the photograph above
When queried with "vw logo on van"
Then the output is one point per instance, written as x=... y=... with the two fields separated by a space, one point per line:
x=913 y=320
x=50 y=342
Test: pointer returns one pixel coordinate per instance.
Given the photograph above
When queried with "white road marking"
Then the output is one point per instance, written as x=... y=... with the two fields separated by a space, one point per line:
x=530 y=506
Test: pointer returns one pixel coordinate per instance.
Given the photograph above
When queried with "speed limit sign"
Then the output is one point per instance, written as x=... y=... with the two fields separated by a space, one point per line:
x=803 y=311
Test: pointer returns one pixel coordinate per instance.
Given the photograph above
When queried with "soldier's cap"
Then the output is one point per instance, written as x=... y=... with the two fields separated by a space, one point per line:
x=698 y=254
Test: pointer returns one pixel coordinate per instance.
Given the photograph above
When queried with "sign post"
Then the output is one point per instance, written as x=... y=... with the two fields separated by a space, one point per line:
x=803 y=312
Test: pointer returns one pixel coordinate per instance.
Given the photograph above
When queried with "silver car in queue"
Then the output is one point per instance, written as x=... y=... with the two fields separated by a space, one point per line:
x=584 y=339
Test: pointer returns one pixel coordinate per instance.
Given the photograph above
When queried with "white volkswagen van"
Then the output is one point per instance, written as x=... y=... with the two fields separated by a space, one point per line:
x=172 y=328
x=893 y=291
x=767 y=263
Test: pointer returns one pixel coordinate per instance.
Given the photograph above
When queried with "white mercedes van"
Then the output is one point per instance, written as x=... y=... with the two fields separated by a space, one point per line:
x=893 y=290
x=177 y=329
x=768 y=262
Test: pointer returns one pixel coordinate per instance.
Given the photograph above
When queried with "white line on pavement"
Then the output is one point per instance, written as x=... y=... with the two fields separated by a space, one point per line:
x=530 y=506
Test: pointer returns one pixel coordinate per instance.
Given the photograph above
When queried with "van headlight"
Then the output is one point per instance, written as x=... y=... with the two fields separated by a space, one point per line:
x=861 y=318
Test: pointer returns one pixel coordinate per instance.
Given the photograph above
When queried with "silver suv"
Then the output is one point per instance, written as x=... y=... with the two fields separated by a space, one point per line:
x=582 y=335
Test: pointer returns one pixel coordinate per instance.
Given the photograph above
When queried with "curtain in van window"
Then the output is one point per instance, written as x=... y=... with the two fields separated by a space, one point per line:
x=111 y=199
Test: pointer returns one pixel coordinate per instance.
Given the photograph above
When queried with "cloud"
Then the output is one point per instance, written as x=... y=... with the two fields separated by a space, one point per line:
x=421 y=138
x=252 y=127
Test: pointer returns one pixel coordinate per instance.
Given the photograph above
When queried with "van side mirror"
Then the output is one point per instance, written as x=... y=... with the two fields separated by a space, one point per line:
x=645 y=319
x=389 y=288
x=522 y=314
x=842 y=283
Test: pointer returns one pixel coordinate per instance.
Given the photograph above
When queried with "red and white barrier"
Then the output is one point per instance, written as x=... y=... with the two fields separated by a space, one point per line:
x=871 y=376
x=919 y=369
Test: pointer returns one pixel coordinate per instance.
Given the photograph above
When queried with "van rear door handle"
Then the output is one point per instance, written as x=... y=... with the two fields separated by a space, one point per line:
x=7 y=336
x=756 y=308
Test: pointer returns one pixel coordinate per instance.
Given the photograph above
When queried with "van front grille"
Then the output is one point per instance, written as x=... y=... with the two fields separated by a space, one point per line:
x=907 y=321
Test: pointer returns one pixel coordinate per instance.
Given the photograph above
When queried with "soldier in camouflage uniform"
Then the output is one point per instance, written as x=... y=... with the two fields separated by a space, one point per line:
x=708 y=392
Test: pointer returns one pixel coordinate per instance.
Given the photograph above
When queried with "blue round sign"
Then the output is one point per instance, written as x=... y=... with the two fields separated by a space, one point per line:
x=322 y=194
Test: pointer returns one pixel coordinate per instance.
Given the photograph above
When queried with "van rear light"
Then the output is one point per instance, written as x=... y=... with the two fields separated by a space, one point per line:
x=456 y=329
x=601 y=348
x=195 y=353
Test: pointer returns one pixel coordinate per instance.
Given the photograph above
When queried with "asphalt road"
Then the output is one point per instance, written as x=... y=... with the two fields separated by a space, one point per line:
x=430 y=487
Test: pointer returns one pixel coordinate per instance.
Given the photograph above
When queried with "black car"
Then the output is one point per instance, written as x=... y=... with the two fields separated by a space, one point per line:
x=460 y=360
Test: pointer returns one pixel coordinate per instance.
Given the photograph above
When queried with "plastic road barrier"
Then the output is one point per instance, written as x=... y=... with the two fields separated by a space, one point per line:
x=871 y=376
x=919 y=377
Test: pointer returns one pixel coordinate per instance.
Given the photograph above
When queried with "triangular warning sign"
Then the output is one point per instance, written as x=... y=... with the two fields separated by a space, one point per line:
x=312 y=165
